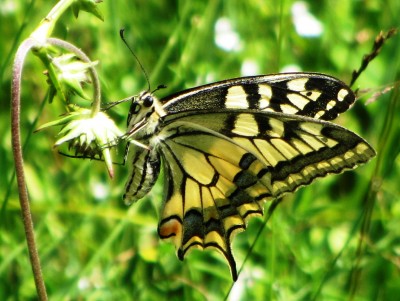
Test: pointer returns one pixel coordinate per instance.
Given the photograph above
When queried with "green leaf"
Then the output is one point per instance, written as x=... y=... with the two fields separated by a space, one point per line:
x=89 y=6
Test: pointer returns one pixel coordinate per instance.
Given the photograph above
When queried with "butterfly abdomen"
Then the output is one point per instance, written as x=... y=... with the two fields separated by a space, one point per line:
x=142 y=174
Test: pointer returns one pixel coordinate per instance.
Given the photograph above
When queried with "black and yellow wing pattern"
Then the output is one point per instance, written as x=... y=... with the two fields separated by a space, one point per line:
x=228 y=147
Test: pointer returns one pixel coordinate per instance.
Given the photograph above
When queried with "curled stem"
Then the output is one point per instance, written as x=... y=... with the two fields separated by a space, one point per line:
x=22 y=51
x=25 y=47
x=37 y=40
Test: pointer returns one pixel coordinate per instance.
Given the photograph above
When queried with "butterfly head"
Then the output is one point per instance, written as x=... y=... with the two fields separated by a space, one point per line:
x=141 y=108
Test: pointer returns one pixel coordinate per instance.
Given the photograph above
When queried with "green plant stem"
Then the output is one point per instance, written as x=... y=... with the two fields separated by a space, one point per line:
x=12 y=178
x=47 y=24
x=93 y=74
x=373 y=190
x=22 y=51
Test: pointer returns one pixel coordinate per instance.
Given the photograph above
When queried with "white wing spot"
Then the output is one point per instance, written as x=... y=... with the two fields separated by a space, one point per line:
x=236 y=98
x=297 y=84
x=362 y=148
x=323 y=165
x=342 y=94
x=319 y=114
x=349 y=154
x=330 y=105
x=265 y=92
x=298 y=100
x=313 y=95
x=308 y=171
x=337 y=161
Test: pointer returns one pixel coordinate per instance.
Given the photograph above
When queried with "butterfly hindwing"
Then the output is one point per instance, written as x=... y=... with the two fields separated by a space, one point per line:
x=220 y=167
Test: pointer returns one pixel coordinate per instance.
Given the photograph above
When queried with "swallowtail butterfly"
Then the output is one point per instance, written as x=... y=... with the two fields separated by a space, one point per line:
x=228 y=147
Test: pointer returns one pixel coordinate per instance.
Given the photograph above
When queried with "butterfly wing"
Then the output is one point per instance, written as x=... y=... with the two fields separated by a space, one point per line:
x=229 y=146
x=220 y=167
x=307 y=94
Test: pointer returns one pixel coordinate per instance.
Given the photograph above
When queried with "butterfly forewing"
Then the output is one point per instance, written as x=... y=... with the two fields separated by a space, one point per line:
x=308 y=94
x=228 y=147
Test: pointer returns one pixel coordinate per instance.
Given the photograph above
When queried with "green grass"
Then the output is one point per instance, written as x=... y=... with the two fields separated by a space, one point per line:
x=92 y=247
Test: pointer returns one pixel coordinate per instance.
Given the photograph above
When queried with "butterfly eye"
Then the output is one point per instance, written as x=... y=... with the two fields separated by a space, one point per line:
x=148 y=101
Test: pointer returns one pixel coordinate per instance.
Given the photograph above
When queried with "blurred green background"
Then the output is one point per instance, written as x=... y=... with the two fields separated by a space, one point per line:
x=93 y=247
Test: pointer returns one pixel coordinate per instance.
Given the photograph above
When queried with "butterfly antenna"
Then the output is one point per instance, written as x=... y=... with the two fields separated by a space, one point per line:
x=159 y=88
x=121 y=34
x=113 y=104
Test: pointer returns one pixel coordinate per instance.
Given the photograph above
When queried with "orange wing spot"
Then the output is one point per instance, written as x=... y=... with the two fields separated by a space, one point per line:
x=170 y=228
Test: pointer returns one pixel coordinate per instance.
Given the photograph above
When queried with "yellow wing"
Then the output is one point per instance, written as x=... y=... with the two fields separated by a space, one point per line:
x=220 y=167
